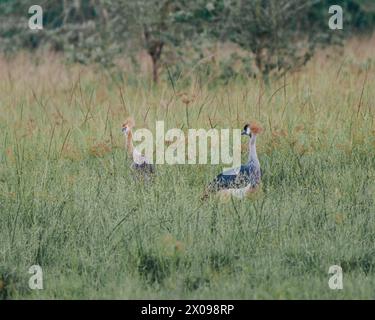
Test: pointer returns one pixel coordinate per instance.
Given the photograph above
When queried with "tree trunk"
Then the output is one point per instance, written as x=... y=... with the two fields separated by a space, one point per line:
x=154 y=48
x=155 y=71
x=155 y=52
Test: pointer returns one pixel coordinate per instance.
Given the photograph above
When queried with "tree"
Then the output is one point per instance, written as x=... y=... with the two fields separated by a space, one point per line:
x=276 y=32
x=161 y=23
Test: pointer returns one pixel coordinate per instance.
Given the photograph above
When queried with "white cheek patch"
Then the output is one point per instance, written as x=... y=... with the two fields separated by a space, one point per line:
x=248 y=131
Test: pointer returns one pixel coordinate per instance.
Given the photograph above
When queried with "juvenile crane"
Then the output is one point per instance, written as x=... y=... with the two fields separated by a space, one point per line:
x=140 y=163
x=244 y=181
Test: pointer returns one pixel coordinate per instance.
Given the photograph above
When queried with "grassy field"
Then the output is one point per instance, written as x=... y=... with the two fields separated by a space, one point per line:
x=68 y=201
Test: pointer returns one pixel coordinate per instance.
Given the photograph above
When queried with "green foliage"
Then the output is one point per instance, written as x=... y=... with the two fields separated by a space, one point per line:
x=276 y=32
x=281 y=35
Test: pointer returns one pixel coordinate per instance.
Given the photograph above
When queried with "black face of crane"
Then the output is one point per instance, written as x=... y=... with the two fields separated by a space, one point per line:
x=246 y=131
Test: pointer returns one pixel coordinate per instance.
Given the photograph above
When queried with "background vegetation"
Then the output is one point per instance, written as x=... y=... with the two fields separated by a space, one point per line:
x=67 y=198
x=277 y=36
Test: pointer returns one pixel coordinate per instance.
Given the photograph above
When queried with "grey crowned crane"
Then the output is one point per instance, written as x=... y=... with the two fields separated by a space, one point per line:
x=141 y=165
x=242 y=182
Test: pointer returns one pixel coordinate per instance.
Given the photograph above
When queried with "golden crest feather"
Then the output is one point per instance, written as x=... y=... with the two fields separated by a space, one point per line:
x=129 y=122
x=255 y=128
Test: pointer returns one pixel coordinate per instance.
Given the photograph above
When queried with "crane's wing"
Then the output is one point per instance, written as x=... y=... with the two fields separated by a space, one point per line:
x=233 y=179
x=141 y=163
x=145 y=167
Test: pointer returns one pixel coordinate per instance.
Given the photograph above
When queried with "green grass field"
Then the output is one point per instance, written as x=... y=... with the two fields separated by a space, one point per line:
x=68 y=201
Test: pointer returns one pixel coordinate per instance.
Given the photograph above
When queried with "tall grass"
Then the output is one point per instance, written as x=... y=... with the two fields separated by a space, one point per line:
x=68 y=201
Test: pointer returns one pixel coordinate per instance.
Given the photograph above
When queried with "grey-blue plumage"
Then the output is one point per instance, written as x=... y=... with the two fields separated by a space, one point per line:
x=248 y=175
x=146 y=168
